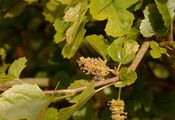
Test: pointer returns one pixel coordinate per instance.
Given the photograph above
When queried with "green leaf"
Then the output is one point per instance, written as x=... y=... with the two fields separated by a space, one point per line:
x=99 y=43
x=72 y=13
x=3 y=68
x=70 y=49
x=78 y=83
x=53 y=10
x=16 y=67
x=2 y=118
x=51 y=114
x=5 y=78
x=115 y=11
x=31 y=1
x=153 y=23
x=171 y=8
x=24 y=101
x=123 y=50
x=80 y=100
x=65 y=1
x=161 y=5
x=174 y=45
x=126 y=77
x=86 y=113
x=75 y=84
x=60 y=27
x=15 y=10
x=157 y=51
x=2 y=54
x=166 y=9
x=159 y=70
x=76 y=15
x=120 y=84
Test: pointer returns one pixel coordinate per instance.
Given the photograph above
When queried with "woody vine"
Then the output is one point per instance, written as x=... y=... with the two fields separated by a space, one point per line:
x=124 y=42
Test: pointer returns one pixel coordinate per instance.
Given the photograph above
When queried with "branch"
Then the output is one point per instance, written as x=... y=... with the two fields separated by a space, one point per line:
x=166 y=43
x=42 y=82
x=144 y=47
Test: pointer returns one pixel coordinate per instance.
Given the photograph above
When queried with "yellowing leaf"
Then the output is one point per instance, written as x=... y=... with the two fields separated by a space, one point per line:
x=157 y=51
x=16 y=67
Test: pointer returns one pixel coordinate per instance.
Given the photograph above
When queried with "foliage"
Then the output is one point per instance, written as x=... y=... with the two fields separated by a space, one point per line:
x=22 y=102
x=105 y=38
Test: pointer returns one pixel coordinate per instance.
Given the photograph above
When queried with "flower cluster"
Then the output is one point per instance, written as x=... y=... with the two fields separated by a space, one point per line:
x=117 y=108
x=94 y=66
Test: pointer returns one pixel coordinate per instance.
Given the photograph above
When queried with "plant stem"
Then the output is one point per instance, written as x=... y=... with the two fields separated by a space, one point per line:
x=171 y=32
x=144 y=47
x=119 y=93
x=118 y=68
x=139 y=56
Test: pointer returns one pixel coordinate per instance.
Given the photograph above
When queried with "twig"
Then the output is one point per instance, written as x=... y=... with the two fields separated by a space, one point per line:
x=166 y=43
x=139 y=56
x=144 y=47
x=42 y=82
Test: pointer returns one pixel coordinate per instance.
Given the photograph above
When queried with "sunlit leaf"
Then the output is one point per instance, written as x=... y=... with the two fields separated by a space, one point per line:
x=75 y=15
x=80 y=100
x=126 y=77
x=115 y=49
x=166 y=8
x=115 y=11
x=24 y=101
x=65 y=1
x=51 y=114
x=123 y=50
x=2 y=118
x=157 y=51
x=70 y=49
x=153 y=23
x=161 y=5
x=16 y=67
x=171 y=8
x=120 y=84
x=99 y=43
x=72 y=14
x=78 y=83
x=5 y=78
